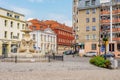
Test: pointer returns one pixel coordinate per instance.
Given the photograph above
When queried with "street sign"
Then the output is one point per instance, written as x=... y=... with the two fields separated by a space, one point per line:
x=102 y=49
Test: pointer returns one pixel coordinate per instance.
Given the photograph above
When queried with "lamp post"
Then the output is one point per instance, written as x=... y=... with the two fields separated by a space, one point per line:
x=105 y=39
x=111 y=21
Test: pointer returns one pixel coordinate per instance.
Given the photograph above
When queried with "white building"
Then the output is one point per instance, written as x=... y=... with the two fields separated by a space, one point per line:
x=11 y=24
x=45 y=40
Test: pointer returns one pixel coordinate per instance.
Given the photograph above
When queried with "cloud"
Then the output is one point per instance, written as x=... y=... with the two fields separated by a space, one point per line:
x=35 y=0
x=60 y=18
x=15 y=8
x=39 y=1
x=24 y=11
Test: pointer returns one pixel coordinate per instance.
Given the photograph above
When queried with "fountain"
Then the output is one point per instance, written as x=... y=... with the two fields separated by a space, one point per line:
x=26 y=46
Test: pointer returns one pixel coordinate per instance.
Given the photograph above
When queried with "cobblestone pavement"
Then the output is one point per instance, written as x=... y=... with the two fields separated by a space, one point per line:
x=72 y=68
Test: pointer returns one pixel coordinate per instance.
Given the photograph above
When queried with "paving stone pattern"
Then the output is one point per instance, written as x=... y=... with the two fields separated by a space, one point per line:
x=72 y=68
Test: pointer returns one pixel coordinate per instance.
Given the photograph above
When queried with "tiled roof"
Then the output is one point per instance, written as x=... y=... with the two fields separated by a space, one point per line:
x=56 y=25
x=38 y=24
x=41 y=25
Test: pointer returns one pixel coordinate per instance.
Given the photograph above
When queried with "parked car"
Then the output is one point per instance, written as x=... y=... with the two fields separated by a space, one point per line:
x=108 y=55
x=68 y=52
x=90 y=54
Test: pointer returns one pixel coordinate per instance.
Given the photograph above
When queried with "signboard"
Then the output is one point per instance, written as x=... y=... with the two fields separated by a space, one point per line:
x=102 y=49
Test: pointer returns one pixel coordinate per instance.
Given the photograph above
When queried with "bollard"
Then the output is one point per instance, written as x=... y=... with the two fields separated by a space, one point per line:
x=48 y=58
x=62 y=58
x=114 y=63
x=15 y=59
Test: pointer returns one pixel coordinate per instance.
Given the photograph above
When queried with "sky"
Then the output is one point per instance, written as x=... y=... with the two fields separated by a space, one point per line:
x=58 y=10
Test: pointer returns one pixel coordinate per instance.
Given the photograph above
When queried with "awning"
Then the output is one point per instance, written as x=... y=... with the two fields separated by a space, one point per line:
x=79 y=44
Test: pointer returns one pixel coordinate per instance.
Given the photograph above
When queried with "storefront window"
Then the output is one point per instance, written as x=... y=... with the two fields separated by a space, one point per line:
x=118 y=46
x=93 y=46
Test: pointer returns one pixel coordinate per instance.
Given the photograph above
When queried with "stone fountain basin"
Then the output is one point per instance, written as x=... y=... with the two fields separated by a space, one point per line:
x=26 y=55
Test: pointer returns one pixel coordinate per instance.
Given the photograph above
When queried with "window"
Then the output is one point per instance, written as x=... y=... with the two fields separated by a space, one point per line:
x=93 y=19
x=41 y=37
x=87 y=37
x=44 y=37
x=93 y=10
x=22 y=26
x=112 y=47
x=11 y=34
x=18 y=24
x=87 y=3
x=87 y=20
x=77 y=21
x=118 y=46
x=33 y=36
x=16 y=16
x=6 y=23
x=77 y=37
x=23 y=35
x=94 y=37
x=9 y=14
x=51 y=38
x=18 y=35
x=87 y=28
x=34 y=27
x=5 y=34
x=93 y=28
x=41 y=27
x=93 y=2
x=87 y=11
x=94 y=46
x=11 y=24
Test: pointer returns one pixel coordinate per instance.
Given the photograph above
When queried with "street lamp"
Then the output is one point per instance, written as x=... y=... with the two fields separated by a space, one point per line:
x=105 y=39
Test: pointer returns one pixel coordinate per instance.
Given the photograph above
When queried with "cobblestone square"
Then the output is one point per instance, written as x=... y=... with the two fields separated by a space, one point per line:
x=72 y=68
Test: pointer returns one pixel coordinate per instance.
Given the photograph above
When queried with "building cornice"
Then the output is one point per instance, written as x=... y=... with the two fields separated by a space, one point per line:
x=11 y=11
x=12 y=18
x=88 y=7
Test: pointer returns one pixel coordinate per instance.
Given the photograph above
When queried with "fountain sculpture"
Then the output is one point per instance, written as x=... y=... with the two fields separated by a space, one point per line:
x=25 y=48
x=26 y=44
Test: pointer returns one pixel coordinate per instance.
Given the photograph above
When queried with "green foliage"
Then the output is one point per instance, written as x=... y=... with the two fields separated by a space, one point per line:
x=105 y=39
x=100 y=62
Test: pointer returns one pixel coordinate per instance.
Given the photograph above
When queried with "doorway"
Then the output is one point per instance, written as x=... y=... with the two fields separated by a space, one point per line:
x=4 y=50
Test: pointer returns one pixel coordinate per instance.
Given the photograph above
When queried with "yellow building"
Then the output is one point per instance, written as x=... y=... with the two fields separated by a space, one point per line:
x=87 y=24
x=10 y=23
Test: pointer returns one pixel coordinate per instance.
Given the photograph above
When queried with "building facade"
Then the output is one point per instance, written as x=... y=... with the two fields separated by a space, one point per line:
x=11 y=23
x=64 y=33
x=87 y=25
x=110 y=23
x=44 y=37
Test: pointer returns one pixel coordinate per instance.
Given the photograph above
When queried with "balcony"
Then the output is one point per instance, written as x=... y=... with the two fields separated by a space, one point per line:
x=105 y=21
x=114 y=11
x=105 y=12
x=118 y=20
x=108 y=21
x=115 y=29
x=108 y=12
x=116 y=39
x=118 y=11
